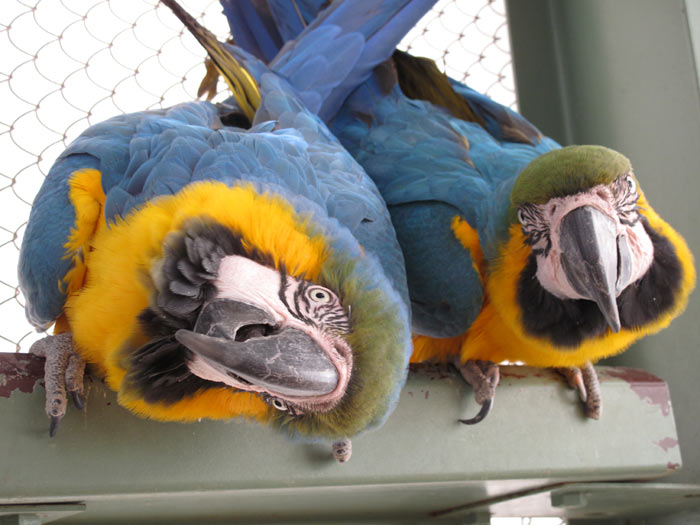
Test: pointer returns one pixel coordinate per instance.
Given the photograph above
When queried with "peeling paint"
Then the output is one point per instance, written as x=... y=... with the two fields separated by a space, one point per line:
x=667 y=443
x=19 y=372
x=504 y=373
x=632 y=375
x=647 y=386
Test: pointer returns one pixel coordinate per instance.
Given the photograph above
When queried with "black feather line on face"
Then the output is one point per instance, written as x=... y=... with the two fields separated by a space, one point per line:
x=158 y=370
x=568 y=322
x=535 y=228
x=626 y=200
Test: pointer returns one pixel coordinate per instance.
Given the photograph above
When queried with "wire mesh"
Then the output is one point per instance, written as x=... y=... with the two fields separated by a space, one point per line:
x=68 y=64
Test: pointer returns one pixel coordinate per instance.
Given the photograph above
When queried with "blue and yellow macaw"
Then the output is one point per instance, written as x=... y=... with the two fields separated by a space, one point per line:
x=221 y=261
x=516 y=249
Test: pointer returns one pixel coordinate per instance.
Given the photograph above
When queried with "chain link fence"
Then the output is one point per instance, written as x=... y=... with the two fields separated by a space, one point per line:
x=68 y=64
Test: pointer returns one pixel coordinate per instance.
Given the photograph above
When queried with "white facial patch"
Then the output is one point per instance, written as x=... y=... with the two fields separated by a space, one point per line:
x=550 y=272
x=244 y=280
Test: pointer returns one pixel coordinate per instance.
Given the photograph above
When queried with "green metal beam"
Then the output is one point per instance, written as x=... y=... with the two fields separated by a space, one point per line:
x=422 y=464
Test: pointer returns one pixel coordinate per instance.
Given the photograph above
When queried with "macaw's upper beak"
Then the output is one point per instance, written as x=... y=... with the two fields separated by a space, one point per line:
x=589 y=257
x=243 y=342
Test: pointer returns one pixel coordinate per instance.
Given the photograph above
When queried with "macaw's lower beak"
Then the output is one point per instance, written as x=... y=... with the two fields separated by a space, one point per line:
x=243 y=342
x=589 y=257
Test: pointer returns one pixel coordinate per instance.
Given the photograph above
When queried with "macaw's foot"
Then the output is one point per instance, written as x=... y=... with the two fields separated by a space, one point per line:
x=342 y=450
x=63 y=371
x=483 y=376
x=585 y=381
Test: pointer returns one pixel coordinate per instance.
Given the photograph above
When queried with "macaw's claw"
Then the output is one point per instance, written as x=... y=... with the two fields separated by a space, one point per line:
x=483 y=376
x=585 y=381
x=63 y=370
x=342 y=450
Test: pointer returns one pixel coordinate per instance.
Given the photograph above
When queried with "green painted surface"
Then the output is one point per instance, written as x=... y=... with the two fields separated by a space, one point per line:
x=35 y=514
x=422 y=461
x=598 y=501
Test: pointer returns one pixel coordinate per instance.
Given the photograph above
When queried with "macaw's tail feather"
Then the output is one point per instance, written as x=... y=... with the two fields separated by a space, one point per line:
x=332 y=55
x=255 y=27
x=241 y=83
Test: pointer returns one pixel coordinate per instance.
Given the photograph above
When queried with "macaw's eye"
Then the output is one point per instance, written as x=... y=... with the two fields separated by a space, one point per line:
x=631 y=183
x=521 y=216
x=319 y=295
x=279 y=404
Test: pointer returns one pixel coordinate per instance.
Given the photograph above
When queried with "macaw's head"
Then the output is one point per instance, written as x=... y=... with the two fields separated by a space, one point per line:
x=290 y=314
x=596 y=245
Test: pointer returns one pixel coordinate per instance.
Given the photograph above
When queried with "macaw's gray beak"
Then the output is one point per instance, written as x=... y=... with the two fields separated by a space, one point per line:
x=589 y=257
x=242 y=341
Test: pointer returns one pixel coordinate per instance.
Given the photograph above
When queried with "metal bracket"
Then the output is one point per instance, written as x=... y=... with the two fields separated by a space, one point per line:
x=38 y=513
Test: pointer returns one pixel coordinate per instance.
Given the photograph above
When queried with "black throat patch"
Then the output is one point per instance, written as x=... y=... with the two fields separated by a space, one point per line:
x=568 y=322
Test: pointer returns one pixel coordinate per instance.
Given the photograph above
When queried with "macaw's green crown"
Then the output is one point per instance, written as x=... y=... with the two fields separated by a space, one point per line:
x=566 y=171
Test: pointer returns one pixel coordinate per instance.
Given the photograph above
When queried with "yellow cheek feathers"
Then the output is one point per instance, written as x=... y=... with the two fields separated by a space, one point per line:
x=88 y=201
x=215 y=403
x=103 y=313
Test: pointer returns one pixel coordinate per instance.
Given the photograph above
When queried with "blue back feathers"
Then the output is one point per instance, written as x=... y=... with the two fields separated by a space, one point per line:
x=141 y=156
x=426 y=161
x=331 y=55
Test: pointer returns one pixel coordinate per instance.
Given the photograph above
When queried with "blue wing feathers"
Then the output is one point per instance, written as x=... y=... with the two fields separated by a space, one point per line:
x=289 y=151
x=445 y=290
x=166 y=153
x=42 y=264
x=352 y=38
x=254 y=28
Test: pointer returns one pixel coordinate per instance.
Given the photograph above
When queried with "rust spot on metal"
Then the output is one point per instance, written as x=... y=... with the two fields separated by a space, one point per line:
x=19 y=372
x=410 y=393
x=673 y=466
x=666 y=443
x=647 y=386
x=632 y=375
x=426 y=394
